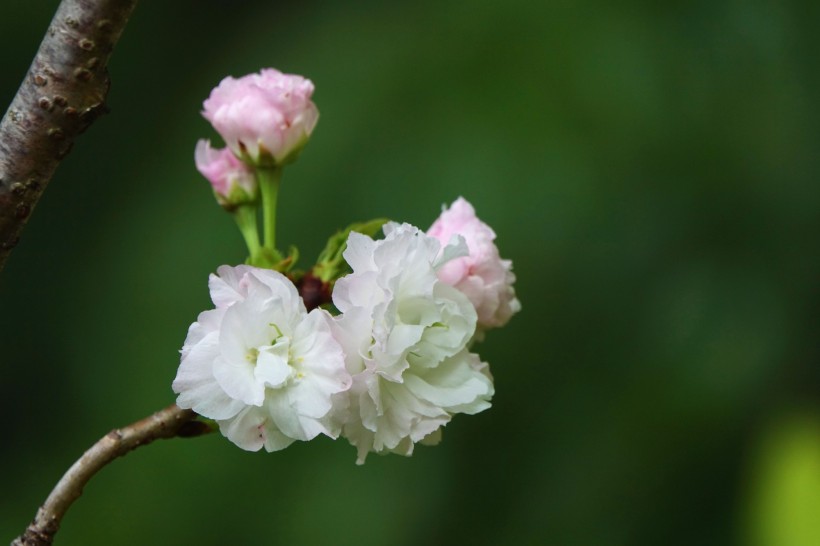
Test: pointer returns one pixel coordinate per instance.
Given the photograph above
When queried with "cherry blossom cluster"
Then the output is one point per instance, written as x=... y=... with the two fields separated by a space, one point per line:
x=374 y=343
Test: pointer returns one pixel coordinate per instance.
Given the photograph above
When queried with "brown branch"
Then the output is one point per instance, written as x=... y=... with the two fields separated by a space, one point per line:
x=167 y=423
x=62 y=94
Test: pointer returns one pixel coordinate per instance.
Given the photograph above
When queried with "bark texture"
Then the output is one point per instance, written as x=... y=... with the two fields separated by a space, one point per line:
x=167 y=423
x=63 y=92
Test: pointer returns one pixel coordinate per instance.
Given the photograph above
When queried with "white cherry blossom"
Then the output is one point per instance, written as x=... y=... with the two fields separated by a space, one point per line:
x=405 y=336
x=259 y=364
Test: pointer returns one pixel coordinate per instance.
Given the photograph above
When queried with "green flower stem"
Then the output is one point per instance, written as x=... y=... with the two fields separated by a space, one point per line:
x=245 y=216
x=269 y=179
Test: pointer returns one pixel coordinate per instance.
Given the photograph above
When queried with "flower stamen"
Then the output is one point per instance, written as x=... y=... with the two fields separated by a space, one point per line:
x=252 y=356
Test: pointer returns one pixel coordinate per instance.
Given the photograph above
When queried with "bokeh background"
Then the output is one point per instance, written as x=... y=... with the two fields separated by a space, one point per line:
x=652 y=171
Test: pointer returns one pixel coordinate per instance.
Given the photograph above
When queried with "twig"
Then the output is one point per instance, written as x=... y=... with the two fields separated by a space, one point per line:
x=62 y=94
x=167 y=423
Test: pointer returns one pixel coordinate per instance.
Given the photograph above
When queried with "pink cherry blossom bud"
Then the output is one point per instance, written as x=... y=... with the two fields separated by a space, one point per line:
x=482 y=276
x=265 y=118
x=234 y=183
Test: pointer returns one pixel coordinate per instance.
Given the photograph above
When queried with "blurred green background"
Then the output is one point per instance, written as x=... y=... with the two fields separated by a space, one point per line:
x=652 y=171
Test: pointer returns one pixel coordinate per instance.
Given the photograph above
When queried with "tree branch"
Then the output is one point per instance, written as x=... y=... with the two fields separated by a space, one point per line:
x=167 y=423
x=62 y=94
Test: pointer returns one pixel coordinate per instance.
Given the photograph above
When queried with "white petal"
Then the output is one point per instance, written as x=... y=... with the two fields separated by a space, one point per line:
x=237 y=379
x=359 y=437
x=247 y=325
x=402 y=337
x=288 y=421
x=274 y=439
x=456 y=248
x=197 y=387
x=226 y=287
x=359 y=251
x=206 y=323
x=361 y=290
x=353 y=330
x=454 y=383
x=247 y=429
x=272 y=367
x=281 y=288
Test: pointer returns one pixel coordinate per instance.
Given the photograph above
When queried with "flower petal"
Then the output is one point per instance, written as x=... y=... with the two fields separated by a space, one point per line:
x=196 y=385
